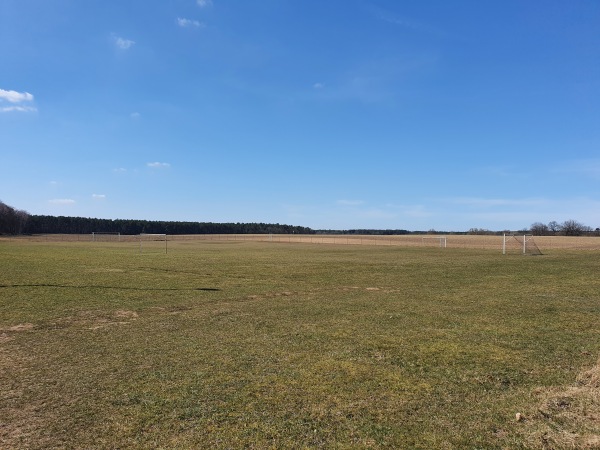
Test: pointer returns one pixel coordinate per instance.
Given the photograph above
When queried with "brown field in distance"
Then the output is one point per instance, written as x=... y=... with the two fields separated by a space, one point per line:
x=489 y=242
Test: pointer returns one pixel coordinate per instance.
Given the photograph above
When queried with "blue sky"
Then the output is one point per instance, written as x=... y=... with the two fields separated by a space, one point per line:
x=340 y=114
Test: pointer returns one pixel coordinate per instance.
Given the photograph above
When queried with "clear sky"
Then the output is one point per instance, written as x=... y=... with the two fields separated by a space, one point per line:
x=340 y=114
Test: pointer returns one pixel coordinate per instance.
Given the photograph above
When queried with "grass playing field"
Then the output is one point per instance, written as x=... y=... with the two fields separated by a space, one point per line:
x=282 y=345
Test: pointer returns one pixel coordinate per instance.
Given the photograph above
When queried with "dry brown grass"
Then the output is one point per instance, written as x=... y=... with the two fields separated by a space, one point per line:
x=231 y=344
x=488 y=242
x=567 y=417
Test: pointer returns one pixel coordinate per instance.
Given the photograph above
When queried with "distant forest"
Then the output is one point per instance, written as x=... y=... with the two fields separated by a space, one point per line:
x=15 y=221
x=83 y=225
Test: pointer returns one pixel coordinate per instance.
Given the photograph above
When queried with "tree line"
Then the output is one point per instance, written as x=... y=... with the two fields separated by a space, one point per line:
x=566 y=228
x=13 y=221
x=367 y=232
x=553 y=228
x=83 y=225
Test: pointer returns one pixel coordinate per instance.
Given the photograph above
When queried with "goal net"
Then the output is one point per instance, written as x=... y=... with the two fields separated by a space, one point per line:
x=519 y=243
x=106 y=236
x=153 y=243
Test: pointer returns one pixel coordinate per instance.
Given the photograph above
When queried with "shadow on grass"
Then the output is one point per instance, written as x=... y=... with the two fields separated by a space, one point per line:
x=65 y=286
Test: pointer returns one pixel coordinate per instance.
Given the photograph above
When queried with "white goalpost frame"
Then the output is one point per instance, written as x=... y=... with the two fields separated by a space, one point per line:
x=442 y=239
x=152 y=236
x=509 y=236
x=523 y=239
x=105 y=233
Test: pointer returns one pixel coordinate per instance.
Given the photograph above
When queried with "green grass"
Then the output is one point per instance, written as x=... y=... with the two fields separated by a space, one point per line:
x=258 y=345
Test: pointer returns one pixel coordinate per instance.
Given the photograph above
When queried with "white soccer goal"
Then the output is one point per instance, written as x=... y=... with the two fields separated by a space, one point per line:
x=106 y=236
x=434 y=241
x=519 y=243
x=153 y=243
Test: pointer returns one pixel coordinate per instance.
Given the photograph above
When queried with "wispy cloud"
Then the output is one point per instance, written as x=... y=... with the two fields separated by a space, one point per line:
x=417 y=211
x=18 y=108
x=98 y=196
x=120 y=170
x=158 y=165
x=17 y=101
x=62 y=201
x=363 y=214
x=477 y=202
x=374 y=81
x=350 y=202
x=514 y=213
x=404 y=22
x=585 y=167
x=204 y=3
x=122 y=43
x=189 y=23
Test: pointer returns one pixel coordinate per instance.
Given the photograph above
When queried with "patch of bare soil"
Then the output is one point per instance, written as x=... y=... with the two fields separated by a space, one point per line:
x=568 y=417
x=119 y=317
x=7 y=333
x=126 y=314
x=19 y=327
x=271 y=295
x=94 y=320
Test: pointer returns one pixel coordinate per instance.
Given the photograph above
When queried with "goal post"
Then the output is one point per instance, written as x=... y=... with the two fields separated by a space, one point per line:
x=153 y=243
x=519 y=243
x=106 y=236
x=438 y=241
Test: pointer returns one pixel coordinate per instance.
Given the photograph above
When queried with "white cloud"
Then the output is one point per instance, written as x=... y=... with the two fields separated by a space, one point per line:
x=204 y=3
x=98 y=196
x=15 y=97
x=319 y=85
x=158 y=165
x=119 y=170
x=17 y=101
x=62 y=201
x=123 y=44
x=189 y=23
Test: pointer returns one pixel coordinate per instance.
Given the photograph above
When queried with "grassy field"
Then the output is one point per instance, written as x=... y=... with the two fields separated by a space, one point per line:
x=282 y=345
